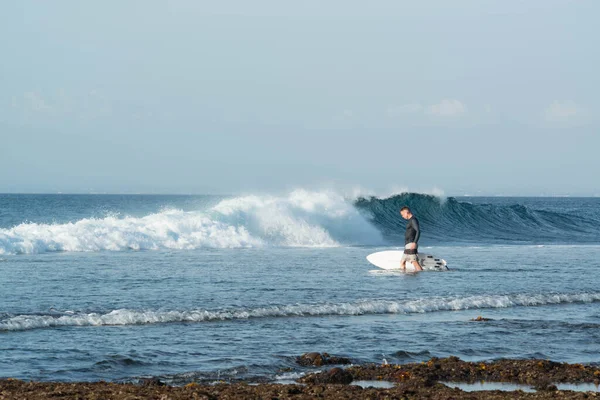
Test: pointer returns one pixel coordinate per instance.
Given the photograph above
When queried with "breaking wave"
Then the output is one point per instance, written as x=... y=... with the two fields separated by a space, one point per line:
x=133 y=317
x=304 y=219
x=300 y=219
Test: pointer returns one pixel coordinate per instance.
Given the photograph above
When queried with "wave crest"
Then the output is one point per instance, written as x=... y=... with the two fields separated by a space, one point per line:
x=305 y=219
x=436 y=304
x=449 y=220
x=301 y=219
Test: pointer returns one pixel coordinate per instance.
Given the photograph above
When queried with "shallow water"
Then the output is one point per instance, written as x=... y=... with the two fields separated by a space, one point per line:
x=374 y=384
x=479 y=386
x=509 y=387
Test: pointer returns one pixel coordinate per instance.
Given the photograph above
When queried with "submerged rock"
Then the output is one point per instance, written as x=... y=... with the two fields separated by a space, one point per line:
x=317 y=359
x=545 y=386
x=152 y=382
x=481 y=319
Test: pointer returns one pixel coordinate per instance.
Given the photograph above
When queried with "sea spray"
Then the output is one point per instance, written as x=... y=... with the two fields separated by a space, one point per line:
x=299 y=219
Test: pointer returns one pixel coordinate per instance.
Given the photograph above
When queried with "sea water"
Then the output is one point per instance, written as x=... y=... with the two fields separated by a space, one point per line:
x=108 y=287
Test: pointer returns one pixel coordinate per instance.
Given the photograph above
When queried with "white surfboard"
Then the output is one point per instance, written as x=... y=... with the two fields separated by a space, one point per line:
x=390 y=260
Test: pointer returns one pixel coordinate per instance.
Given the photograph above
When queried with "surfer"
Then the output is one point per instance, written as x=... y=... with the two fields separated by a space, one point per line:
x=411 y=240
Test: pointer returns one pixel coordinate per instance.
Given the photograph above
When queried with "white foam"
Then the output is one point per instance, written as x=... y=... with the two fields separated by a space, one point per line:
x=289 y=376
x=135 y=317
x=300 y=218
x=394 y=190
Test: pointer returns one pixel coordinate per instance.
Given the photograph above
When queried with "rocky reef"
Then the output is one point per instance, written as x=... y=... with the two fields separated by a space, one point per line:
x=410 y=381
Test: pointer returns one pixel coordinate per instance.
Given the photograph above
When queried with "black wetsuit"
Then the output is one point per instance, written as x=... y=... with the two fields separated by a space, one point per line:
x=413 y=232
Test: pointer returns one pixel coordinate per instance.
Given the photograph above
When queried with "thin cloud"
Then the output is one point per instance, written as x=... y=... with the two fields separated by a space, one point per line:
x=344 y=115
x=35 y=102
x=412 y=108
x=447 y=108
x=564 y=111
x=88 y=105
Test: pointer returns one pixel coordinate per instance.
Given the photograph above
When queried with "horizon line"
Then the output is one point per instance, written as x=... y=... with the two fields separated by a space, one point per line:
x=58 y=193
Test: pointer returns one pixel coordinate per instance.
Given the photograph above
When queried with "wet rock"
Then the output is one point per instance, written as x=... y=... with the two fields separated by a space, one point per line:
x=481 y=319
x=415 y=388
x=152 y=382
x=318 y=390
x=333 y=376
x=338 y=376
x=529 y=372
x=415 y=380
x=317 y=359
x=294 y=390
x=545 y=385
x=414 y=385
x=308 y=359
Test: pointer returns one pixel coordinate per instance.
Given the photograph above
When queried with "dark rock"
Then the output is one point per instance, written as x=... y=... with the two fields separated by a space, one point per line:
x=318 y=390
x=481 y=319
x=317 y=359
x=545 y=386
x=152 y=382
x=333 y=376
x=414 y=381
x=338 y=375
x=294 y=390
x=313 y=358
x=338 y=361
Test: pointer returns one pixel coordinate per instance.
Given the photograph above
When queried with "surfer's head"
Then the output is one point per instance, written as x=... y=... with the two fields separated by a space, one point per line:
x=405 y=212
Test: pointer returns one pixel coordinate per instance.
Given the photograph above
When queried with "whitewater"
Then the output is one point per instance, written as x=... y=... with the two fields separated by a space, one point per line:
x=118 y=287
x=133 y=317
x=298 y=219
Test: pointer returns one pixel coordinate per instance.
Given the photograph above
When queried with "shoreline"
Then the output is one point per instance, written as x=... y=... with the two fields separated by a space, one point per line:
x=413 y=380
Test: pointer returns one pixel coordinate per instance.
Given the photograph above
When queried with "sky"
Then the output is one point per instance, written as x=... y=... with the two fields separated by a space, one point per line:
x=189 y=96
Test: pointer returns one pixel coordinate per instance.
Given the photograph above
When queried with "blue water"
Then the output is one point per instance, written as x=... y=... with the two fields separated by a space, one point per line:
x=204 y=288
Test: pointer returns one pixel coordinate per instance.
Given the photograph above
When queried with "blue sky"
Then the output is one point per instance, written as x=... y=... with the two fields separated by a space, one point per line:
x=477 y=97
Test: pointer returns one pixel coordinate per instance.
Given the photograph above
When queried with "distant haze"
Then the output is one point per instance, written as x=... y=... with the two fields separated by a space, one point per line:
x=466 y=97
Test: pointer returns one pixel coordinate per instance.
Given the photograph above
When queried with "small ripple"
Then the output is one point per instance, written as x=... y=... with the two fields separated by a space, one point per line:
x=116 y=361
x=406 y=356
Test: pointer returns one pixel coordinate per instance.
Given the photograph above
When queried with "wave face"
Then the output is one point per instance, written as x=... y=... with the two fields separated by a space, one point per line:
x=434 y=304
x=300 y=219
x=450 y=220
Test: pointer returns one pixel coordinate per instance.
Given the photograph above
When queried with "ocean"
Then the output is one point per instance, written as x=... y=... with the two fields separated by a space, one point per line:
x=206 y=288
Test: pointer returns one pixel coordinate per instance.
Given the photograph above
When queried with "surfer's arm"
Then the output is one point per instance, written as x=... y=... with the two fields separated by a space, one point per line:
x=415 y=225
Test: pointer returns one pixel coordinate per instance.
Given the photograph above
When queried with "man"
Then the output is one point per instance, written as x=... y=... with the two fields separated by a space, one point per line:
x=411 y=240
